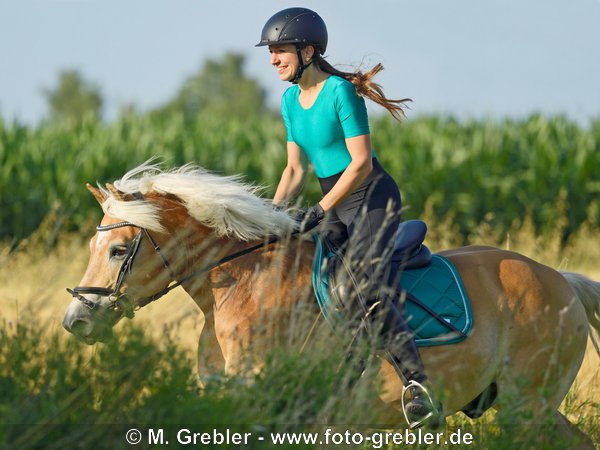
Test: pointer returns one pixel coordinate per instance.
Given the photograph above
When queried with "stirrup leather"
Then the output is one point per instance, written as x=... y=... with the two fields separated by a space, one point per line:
x=419 y=422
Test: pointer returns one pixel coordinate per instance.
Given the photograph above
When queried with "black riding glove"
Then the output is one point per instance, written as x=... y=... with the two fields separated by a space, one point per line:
x=308 y=219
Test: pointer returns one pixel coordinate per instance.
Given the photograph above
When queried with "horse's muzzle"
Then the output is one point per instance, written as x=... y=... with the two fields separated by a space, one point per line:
x=80 y=322
x=80 y=327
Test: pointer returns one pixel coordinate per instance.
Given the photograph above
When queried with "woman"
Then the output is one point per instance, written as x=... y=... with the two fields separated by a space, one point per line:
x=327 y=124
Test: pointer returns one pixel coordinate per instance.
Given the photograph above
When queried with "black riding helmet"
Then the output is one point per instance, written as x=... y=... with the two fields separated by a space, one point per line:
x=298 y=26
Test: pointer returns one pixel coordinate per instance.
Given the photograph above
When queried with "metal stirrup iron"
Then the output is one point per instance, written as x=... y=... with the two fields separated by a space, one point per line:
x=419 y=422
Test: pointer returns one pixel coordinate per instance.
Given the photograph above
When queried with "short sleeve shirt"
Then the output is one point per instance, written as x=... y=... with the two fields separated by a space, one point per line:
x=338 y=113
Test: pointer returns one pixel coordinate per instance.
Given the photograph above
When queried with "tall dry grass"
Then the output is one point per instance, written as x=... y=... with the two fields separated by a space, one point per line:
x=33 y=299
x=33 y=282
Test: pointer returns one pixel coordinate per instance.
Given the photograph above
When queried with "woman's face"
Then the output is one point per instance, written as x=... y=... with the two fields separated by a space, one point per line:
x=285 y=60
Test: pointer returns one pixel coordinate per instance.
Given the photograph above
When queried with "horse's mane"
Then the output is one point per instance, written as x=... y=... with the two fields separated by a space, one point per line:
x=225 y=204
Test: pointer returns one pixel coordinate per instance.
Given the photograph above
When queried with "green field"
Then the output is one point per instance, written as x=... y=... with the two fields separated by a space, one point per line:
x=531 y=185
x=500 y=173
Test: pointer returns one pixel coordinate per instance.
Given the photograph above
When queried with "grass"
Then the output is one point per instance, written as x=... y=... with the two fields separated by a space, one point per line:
x=57 y=393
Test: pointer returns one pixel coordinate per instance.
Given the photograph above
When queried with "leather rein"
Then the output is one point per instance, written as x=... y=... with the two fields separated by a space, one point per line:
x=116 y=296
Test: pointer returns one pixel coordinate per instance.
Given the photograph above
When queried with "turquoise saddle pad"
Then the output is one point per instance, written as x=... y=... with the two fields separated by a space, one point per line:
x=435 y=289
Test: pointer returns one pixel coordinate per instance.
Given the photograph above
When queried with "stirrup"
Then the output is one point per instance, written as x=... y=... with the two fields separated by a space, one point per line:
x=419 y=422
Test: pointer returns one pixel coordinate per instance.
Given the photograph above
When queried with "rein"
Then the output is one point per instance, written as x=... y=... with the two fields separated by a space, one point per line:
x=144 y=301
x=117 y=303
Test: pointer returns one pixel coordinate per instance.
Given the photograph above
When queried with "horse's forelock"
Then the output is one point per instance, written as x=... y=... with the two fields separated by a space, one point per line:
x=141 y=213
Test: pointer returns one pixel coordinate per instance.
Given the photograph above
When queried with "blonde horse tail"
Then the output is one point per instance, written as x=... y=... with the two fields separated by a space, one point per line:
x=588 y=293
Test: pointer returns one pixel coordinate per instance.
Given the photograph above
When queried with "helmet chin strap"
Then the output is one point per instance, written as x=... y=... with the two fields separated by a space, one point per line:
x=302 y=66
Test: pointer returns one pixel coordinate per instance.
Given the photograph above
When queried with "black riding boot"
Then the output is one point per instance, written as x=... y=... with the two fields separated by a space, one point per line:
x=404 y=356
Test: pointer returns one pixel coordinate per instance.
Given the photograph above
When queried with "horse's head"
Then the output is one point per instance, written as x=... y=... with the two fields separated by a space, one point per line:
x=160 y=227
x=126 y=266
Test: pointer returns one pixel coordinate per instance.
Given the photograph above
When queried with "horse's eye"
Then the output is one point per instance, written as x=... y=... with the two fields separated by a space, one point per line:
x=118 y=251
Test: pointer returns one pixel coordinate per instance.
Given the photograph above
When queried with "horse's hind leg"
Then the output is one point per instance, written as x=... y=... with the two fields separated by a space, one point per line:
x=553 y=431
x=576 y=438
x=531 y=397
x=538 y=417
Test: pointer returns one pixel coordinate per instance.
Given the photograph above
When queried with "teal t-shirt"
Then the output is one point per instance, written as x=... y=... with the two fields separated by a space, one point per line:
x=338 y=113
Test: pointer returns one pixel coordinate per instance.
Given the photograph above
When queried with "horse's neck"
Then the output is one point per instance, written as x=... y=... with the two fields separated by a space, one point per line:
x=267 y=276
x=237 y=296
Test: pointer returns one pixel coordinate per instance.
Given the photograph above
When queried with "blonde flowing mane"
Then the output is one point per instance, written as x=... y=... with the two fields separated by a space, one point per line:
x=225 y=204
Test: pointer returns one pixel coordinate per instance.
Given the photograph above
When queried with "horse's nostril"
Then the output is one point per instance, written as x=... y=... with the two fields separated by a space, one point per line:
x=78 y=327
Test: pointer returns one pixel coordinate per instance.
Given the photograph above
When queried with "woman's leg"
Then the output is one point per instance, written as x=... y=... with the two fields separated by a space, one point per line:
x=372 y=215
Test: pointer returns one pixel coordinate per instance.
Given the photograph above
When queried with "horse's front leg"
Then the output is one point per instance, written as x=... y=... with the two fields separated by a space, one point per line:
x=234 y=339
x=210 y=356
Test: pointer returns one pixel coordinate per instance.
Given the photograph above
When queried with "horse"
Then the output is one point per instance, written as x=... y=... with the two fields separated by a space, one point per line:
x=531 y=322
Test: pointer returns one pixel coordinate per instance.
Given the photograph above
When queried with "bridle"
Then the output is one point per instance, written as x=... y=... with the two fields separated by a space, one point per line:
x=117 y=297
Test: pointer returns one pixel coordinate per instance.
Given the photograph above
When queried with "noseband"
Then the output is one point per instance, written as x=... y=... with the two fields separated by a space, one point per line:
x=116 y=296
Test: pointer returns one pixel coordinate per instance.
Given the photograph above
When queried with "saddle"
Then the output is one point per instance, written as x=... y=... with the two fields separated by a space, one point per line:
x=437 y=307
x=409 y=250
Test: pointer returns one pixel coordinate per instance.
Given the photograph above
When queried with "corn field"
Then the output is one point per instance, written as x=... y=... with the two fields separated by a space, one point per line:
x=501 y=173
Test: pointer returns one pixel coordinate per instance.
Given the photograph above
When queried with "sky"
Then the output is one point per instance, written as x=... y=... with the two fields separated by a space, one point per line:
x=467 y=58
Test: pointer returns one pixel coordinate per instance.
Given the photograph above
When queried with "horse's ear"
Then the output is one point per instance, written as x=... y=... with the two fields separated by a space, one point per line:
x=97 y=193
x=116 y=193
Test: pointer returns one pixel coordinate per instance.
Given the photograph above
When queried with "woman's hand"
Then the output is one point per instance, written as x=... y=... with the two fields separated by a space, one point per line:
x=307 y=219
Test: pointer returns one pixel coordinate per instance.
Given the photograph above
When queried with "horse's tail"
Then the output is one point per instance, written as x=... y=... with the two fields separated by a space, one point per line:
x=588 y=293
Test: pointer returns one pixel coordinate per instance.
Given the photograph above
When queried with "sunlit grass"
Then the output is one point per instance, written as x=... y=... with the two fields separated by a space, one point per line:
x=150 y=377
x=57 y=393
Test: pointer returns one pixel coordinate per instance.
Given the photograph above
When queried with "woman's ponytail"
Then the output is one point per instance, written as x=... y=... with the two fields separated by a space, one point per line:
x=367 y=88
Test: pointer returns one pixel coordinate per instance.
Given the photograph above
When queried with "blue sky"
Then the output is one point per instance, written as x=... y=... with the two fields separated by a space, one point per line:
x=470 y=58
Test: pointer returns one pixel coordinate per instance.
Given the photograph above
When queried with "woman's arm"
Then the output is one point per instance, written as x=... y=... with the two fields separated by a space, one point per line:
x=356 y=172
x=292 y=178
